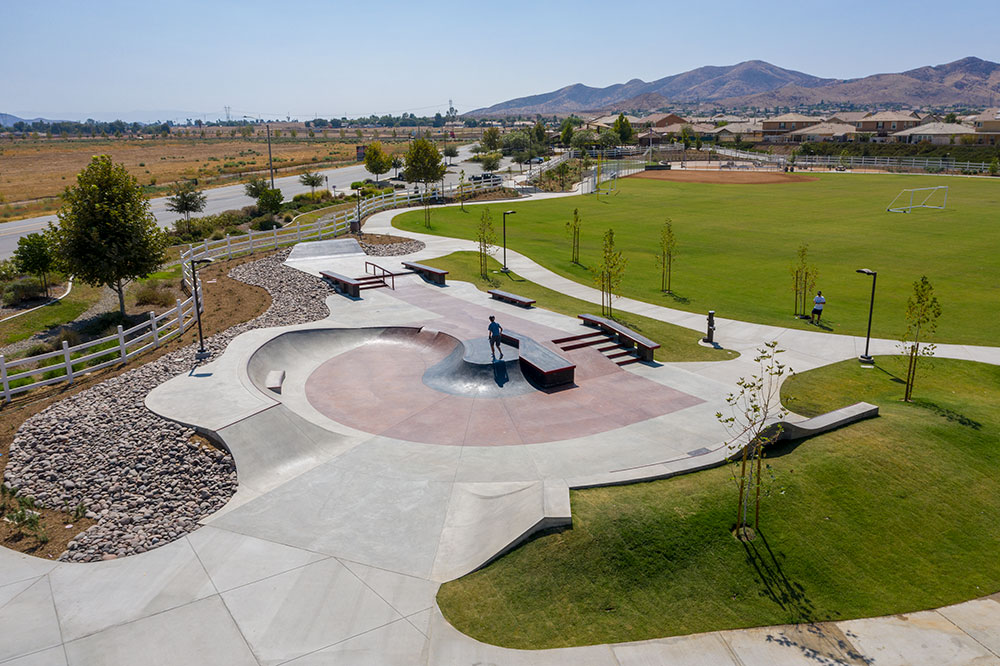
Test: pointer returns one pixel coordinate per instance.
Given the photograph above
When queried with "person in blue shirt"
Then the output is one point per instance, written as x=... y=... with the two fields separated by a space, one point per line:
x=495 y=330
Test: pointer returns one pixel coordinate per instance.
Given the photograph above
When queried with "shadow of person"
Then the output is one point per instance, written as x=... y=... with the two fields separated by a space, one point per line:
x=500 y=373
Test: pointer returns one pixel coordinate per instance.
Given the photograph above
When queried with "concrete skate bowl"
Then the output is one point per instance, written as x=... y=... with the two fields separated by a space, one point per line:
x=427 y=386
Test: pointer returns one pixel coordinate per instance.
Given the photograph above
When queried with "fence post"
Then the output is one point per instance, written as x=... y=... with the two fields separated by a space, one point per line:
x=153 y=327
x=298 y=233
x=121 y=345
x=275 y=235
x=68 y=361
x=180 y=318
x=250 y=236
x=229 y=248
x=3 y=377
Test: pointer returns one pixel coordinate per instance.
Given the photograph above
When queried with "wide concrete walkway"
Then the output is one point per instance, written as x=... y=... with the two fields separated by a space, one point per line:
x=339 y=536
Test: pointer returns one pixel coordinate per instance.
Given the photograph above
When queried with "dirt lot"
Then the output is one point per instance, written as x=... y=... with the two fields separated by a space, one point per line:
x=34 y=168
x=726 y=177
x=227 y=302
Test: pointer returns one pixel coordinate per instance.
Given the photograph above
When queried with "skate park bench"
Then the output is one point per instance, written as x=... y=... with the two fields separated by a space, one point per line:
x=343 y=284
x=624 y=336
x=540 y=364
x=511 y=298
x=435 y=275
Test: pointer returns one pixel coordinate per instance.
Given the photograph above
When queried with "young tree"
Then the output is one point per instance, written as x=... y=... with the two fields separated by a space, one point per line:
x=538 y=132
x=269 y=201
x=255 y=187
x=450 y=152
x=610 y=273
x=922 y=312
x=107 y=233
x=573 y=227
x=668 y=250
x=186 y=198
x=490 y=162
x=377 y=161
x=397 y=164
x=995 y=166
x=623 y=128
x=487 y=239
x=753 y=408
x=491 y=139
x=312 y=181
x=686 y=136
x=804 y=276
x=566 y=132
x=423 y=165
x=461 y=190
x=562 y=171
x=34 y=255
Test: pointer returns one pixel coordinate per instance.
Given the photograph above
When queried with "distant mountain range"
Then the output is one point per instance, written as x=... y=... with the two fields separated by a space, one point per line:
x=755 y=83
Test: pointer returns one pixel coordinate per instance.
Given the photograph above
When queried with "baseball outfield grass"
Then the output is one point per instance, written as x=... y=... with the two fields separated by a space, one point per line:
x=890 y=515
x=737 y=244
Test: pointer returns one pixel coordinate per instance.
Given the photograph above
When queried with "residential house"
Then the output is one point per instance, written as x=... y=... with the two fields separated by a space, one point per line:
x=774 y=128
x=745 y=131
x=936 y=133
x=987 y=125
x=848 y=117
x=880 y=125
x=659 y=120
x=829 y=131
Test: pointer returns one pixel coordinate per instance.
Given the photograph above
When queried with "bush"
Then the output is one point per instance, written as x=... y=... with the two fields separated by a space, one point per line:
x=22 y=289
x=154 y=292
x=265 y=223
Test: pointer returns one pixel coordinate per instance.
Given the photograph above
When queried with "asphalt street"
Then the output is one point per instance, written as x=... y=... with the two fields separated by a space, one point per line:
x=230 y=197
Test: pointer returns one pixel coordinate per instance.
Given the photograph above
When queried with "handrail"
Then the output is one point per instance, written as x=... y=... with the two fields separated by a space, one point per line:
x=385 y=272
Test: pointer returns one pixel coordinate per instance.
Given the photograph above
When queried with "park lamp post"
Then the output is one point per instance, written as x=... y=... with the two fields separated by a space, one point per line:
x=866 y=357
x=505 y=214
x=270 y=163
x=202 y=353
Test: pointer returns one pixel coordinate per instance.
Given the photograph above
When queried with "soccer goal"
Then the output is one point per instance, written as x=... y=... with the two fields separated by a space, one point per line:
x=921 y=197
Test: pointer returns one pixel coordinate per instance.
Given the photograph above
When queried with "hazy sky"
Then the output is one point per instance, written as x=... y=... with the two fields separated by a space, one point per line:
x=108 y=58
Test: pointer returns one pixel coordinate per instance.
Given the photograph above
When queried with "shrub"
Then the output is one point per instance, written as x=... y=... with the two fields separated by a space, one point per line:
x=22 y=289
x=265 y=223
x=154 y=292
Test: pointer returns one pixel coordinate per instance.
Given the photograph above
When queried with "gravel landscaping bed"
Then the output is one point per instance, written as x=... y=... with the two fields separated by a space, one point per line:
x=140 y=476
x=392 y=249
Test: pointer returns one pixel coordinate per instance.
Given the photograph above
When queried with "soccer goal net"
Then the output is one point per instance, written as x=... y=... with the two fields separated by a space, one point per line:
x=921 y=197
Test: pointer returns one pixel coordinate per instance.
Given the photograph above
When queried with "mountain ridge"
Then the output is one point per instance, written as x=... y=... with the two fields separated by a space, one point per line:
x=756 y=83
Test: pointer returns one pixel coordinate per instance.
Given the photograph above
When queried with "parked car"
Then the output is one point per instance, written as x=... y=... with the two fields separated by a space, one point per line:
x=536 y=160
x=490 y=178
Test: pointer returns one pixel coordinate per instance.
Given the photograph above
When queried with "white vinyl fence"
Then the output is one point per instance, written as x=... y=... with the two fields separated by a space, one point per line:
x=64 y=365
x=908 y=164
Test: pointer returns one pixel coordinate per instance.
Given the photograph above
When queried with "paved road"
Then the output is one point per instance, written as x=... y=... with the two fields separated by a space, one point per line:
x=232 y=196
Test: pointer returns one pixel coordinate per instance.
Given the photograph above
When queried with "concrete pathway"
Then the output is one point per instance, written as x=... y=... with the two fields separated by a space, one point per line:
x=337 y=540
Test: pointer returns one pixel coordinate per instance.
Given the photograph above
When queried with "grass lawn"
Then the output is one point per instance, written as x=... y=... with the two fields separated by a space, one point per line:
x=676 y=342
x=69 y=308
x=887 y=516
x=737 y=244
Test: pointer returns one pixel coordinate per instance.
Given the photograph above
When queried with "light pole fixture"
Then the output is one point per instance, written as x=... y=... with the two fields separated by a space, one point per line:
x=866 y=357
x=201 y=354
x=505 y=214
x=270 y=163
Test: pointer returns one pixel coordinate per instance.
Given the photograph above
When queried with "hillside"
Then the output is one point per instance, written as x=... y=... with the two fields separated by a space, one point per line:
x=966 y=82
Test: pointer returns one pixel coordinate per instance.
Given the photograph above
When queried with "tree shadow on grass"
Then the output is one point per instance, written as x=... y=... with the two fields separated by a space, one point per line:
x=892 y=377
x=775 y=585
x=949 y=414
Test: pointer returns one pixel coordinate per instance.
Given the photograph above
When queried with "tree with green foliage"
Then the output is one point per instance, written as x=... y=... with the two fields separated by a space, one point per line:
x=566 y=131
x=490 y=162
x=462 y=184
x=491 y=140
x=423 y=165
x=753 y=408
x=377 y=161
x=610 y=273
x=486 y=237
x=995 y=166
x=397 y=164
x=583 y=140
x=254 y=187
x=186 y=198
x=312 y=180
x=922 y=312
x=573 y=227
x=34 y=255
x=107 y=233
x=623 y=128
x=686 y=136
x=269 y=201
x=562 y=171
x=608 y=139
x=804 y=276
x=450 y=152
x=668 y=251
x=951 y=117
x=539 y=132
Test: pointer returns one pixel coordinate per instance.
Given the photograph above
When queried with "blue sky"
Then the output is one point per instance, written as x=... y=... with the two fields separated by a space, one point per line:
x=307 y=58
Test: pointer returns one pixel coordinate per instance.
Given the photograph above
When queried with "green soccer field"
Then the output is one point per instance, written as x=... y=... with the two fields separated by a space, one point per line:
x=738 y=243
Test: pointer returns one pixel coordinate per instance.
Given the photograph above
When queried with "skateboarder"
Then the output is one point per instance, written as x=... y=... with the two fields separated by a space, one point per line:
x=495 y=330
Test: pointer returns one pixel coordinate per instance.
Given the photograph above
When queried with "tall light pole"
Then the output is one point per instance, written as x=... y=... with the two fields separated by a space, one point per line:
x=866 y=357
x=201 y=354
x=270 y=163
x=505 y=214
